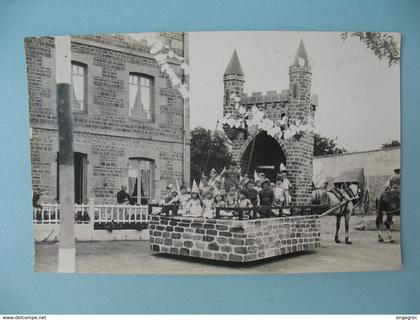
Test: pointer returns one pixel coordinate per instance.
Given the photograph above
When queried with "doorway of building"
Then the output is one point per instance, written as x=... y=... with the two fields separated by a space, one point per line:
x=266 y=156
x=80 y=177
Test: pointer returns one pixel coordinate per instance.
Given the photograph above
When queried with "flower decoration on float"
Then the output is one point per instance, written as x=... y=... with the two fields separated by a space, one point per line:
x=246 y=117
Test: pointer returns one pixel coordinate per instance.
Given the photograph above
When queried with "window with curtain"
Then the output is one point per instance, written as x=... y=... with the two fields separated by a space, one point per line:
x=140 y=180
x=140 y=96
x=79 y=82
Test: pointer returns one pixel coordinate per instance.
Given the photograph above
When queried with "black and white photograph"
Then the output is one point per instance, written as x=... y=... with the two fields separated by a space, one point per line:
x=225 y=152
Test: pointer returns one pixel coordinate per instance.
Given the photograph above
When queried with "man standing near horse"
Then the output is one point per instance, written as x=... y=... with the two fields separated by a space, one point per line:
x=388 y=203
x=394 y=181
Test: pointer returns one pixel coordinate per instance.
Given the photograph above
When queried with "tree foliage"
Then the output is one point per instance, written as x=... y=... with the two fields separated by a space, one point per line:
x=325 y=146
x=393 y=143
x=205 y=144
x=382 y=44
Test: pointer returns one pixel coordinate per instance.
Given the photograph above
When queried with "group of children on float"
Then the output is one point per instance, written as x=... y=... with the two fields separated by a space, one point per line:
x=229 y=190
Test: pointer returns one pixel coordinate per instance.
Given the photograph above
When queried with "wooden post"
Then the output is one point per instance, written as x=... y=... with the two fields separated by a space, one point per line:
x=241 y=214
x=66 y=247
x=217 y=213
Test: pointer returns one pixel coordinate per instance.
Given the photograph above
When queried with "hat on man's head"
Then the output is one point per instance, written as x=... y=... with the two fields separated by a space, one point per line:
x=397 y=170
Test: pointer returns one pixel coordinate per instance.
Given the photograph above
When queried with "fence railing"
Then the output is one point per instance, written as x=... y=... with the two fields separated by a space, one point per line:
x=127 y=214
x=251 y=213
x=90 y=213
x=120 y=214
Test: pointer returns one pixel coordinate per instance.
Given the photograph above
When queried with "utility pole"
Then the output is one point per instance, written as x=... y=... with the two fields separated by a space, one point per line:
x=66 y=246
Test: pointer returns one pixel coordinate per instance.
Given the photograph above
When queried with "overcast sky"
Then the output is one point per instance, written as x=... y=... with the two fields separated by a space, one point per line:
x=359 y=95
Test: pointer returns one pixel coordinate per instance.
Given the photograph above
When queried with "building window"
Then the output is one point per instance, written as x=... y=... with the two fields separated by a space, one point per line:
x=295 y=90
x=80 y=177
x=140 y=96
x=79 y=82
x=140 y=173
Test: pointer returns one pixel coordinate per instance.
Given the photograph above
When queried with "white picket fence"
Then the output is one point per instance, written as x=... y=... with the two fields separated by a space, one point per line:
x=90 y=213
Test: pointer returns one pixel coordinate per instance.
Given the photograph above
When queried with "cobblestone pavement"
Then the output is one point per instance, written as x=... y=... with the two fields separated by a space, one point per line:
x=365 y=254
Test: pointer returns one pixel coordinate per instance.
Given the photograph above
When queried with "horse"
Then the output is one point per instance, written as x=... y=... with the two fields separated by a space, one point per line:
x=332 y=198
x=387 y=203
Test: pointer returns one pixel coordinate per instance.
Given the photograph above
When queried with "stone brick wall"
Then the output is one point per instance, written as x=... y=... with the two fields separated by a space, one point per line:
x=106 y=132
x=233 y=240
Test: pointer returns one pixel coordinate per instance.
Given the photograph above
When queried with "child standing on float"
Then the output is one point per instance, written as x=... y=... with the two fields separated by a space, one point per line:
x=219 y=188
x=266 y=196
x=195 y=206
x=213 y=177
x=244 y=203
x=208 y=205
x=184 y=198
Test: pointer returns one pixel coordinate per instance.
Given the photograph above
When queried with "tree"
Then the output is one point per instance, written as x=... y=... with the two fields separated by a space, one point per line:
x=382 y=44
x=209 y=149
x=393 y=143
x=325 y=146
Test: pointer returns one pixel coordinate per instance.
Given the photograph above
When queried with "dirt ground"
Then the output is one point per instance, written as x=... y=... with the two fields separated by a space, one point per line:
x=135 y=257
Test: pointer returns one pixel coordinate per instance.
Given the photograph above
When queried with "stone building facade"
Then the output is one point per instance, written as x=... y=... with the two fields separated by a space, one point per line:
x=131 y=125
x=267 y=153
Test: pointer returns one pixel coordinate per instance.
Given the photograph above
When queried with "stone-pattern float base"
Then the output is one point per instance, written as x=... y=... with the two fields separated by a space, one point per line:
x=234 y=240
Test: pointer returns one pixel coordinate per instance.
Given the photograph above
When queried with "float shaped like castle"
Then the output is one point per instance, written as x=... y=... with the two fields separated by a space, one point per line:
x=296 y=103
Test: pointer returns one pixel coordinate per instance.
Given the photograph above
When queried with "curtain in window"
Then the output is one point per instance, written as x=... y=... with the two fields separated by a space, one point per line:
x=134 y=98
x=145 y=102
x=132 y=186
x=78 y=80
x=145 y=183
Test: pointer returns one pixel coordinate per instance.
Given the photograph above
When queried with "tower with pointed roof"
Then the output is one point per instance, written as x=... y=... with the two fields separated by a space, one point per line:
x=233 y=80
x=254 y=149
x=300 y=75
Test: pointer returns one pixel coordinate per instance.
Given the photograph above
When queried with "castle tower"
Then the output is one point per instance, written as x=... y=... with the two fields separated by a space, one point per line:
x=254 y=149
x=233 y=80
x=301 y=108
x=300 y=75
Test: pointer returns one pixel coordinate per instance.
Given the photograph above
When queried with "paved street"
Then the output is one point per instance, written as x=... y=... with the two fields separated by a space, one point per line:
x=365 y=254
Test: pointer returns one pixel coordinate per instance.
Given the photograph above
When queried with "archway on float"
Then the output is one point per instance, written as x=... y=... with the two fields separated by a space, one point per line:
x=265 y=157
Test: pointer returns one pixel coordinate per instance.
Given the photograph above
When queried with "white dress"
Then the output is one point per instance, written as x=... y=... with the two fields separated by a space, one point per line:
x=208 y=208
x=194 y=208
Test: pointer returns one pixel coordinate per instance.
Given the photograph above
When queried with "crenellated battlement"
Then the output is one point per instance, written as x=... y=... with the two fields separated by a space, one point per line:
x=271 y=97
